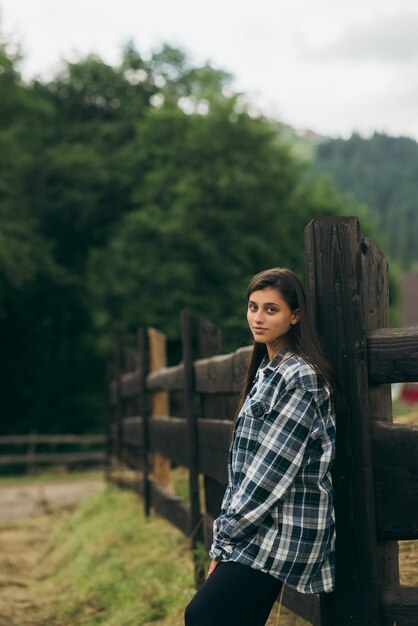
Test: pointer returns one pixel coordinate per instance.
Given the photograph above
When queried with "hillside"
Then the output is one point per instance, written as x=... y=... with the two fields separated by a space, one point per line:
x=383 y=173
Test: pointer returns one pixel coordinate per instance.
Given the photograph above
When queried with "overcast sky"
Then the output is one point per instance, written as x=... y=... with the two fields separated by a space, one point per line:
x=329 y=65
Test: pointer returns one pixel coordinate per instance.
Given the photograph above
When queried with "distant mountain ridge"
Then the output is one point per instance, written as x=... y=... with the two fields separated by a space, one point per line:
x=381 y=171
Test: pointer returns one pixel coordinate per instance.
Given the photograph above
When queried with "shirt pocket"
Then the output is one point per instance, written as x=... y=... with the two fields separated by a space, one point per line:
x=251 y=420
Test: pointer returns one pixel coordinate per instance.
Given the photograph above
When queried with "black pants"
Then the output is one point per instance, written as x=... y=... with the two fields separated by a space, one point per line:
x=233 y=595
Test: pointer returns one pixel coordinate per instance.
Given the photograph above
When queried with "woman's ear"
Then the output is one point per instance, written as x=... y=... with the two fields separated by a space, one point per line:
x=295 y=317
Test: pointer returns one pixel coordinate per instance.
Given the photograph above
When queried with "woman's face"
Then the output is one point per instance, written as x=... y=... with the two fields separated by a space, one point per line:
x=270 y=317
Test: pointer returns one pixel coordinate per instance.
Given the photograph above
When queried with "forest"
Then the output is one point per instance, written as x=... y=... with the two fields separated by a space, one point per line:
x=383 y=173
x=126 y=194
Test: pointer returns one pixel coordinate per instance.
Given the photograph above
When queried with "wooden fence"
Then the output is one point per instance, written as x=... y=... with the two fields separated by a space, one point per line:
x=33 y=457
x=183 y=414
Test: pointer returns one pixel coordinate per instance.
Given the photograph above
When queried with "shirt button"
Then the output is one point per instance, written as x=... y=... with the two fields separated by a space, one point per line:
x=258 y=411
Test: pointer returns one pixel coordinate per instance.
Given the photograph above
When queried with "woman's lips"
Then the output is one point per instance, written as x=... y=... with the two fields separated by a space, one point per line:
x=259 y=330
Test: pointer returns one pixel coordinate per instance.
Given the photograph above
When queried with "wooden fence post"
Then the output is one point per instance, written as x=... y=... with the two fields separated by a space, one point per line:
x=334 y=292
x=375 y=295
x=110 y=374
x=31 y=451
x=196 y=519
x=209 y=338
x=130 y=358
x=159 y=403
x=119 y=405
x=210 y=344
x=143 y=410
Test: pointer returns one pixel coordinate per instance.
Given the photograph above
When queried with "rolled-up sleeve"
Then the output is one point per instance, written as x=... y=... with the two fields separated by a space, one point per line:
x=270 y=470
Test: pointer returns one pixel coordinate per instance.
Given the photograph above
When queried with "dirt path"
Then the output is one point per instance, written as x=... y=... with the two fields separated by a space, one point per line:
x=28 y=515
x=22 y=544
x=17 y=501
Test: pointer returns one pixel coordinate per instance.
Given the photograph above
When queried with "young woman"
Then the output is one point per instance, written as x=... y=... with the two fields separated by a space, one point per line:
x=276 y=525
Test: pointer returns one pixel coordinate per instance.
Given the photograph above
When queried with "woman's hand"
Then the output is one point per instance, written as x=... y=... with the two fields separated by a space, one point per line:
x=212 y=566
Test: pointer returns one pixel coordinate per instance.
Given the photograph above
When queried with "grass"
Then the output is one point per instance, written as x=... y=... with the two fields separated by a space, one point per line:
x=405 y=413
x=180 y=482
x=107 y=564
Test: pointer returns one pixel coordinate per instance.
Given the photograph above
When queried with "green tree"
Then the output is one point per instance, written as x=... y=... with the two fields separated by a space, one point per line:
x=126 y=193
x=220 y=198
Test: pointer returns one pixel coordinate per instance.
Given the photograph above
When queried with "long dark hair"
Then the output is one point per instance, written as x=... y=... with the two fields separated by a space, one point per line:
x=301 y=339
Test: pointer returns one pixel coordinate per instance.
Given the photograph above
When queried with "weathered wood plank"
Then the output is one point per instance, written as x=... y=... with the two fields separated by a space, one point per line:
x=168 y=436
x=219 y=406
x=166 y=379
x=171 y=508
x=64 y=439
x=222 y=374
x=213 y=448
x=133 y=430
x=119 y=408
x=209 y=338
x=395 y=462
x=189 y=412
x=130 y=384
x=306 y=606
x=109 y=376
x=399 y=606
x=112 y=392
x=214 y=495
x=375 y=293
x=208 y=529
x=132 y=457
x=334 y=292
x=143 y=408
x=130 y=359
x=64 y=458
x=160 y=402
x=210 y=344
x=392 y=355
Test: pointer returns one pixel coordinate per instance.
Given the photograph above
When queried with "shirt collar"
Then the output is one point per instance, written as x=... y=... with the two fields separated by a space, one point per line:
x=275 y=362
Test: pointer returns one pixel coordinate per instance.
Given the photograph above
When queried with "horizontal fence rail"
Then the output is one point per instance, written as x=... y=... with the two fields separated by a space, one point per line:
x=66 y=439
x=393 y=355
x=33 y=457
x=395 y=458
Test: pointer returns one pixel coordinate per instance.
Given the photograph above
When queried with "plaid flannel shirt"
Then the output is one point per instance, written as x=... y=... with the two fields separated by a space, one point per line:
x=277 y=513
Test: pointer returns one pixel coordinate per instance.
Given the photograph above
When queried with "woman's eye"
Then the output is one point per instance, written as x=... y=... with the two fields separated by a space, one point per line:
x=271 y=310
